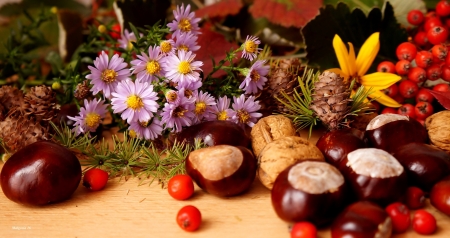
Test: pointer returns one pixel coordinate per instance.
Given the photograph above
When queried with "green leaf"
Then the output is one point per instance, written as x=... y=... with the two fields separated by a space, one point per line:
x=352 y=26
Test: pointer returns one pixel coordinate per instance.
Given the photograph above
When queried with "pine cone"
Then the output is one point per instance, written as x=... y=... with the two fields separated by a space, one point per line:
x=283 y=78
x=82 y=90
x=10 y=98
x=18 y=132
x=40 y=103
x=331 y=99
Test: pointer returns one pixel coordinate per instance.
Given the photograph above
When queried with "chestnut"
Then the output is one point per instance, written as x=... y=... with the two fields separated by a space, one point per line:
x=440 y=195
x=390 y=131
x=375 y=175
x=336 y=144
x=362 y=219
x=215 y=133
x=309 y=190
x=40 y=173
x=425 y=165
x=222 y=170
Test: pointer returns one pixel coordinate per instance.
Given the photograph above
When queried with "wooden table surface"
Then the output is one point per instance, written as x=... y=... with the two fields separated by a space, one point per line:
x=125 y=209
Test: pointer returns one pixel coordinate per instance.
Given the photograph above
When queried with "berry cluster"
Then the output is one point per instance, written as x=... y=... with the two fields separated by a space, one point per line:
x=424 y=58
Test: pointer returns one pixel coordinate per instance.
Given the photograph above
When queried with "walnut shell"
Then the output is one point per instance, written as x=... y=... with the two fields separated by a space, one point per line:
x=270 y=128
x=439 y=129
x=282 y=153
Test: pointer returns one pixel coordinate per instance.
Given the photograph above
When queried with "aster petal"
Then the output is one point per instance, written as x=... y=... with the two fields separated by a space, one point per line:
x=342 y=55
x=384 y=99
x=367 y=53
x=379 y=80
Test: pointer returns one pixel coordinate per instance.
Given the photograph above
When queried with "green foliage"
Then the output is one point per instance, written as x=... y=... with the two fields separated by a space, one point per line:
x=14 y=9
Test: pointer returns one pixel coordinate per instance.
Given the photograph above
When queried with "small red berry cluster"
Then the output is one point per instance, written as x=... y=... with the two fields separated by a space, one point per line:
x=424 y=58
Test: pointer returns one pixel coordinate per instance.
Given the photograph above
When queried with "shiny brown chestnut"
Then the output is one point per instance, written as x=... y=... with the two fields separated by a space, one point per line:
x=362 y=219
x=440 y=195
x=390 y=131
x=309 y=190
x=215 y=133
x=336 y=144
x=41 y=173
x=375 y=175
x=222 y=170
x=425 y=165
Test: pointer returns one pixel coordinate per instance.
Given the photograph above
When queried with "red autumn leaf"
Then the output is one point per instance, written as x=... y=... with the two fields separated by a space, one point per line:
x=220 y=9
x=287 y=13
x=442 y=97
x=213 y=45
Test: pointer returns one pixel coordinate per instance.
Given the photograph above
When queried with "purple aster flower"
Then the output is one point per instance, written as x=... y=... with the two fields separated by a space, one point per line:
x=125 y=40
x=135 y=100
x=180 y=67
x=184 y=21
x=246 y=110
x=187 y=42
x=178 y=114
x=203 y=106
x=250 y=48
x=107 y=73
x=255 y=78
x=147 y=67
x=167 y=47
x=90 y=116
x=189 y=85
x=148 y=130
x=221 y=111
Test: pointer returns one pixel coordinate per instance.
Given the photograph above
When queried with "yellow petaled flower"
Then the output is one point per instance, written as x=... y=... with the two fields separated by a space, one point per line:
x=356 y=67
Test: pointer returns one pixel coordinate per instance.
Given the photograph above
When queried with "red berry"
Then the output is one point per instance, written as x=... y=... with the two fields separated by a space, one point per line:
x=408 y=88
x=304 y=229
x=432 y=22
x=406 y=110
x=95 y=179
x=424 y=222
x=417 y=74
x=423 y=110
x=389 y=110
x=424 y=59
x=415 y=198
x=386 y=67
x=430 y=14
x=406 y=51
x=189 y=218
x=421 y=38
x=434 y=72
x=415 y=17
x=424 y=96
x=441 y=87
x=400 y=216
x=115 y=31
x=437 y=35
x=443 y=8
x=445 y=73
x=181 y=187
x=439 y=52
x=392 y=91
x=399 y=98
x=402 y=67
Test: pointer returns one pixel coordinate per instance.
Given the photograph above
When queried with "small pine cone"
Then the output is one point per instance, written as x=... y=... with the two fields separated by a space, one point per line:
x=40 y=103
x=18 y=132
x=331 y=99
x=10 y=98
x=82 y=90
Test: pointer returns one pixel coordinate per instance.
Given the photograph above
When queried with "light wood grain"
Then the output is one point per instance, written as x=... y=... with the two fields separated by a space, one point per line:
x=125 y=209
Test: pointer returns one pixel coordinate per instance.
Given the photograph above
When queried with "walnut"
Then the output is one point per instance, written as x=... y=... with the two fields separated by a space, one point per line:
x=270 y=128
x=439 y=129
x=280 y=154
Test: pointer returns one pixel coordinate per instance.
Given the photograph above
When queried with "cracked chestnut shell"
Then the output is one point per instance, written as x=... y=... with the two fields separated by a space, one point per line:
x=362 y=219
x=309 y=190
x=222 y=170
x=215 y=133
x=425 y=165
x=40 y=173
x=390 y=131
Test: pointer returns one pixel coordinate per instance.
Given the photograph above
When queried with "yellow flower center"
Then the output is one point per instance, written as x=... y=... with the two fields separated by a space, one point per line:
x=153 y=67
x=255 y=76
x=143 y=123
x=130 y=45
x=188 y=93
x=132 y=133
x=108 y=76
x=222 y=116
x=250 y=46
x=171 y=96
x=184 y=25
x=179 y=112
x=183 y=47
x=184 y=67
x=243 y=116
x=200 y=108
x=166 y=47
x=134 y=102
x=92 y=120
